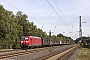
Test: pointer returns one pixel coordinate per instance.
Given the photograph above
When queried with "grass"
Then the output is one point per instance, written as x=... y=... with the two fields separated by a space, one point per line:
x=84 y=54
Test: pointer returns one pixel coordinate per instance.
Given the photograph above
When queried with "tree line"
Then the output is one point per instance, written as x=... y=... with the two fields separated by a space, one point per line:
x=85 y=41
x=13 y=26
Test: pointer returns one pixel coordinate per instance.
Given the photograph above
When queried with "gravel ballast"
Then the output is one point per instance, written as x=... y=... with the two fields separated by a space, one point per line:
x=38 y=55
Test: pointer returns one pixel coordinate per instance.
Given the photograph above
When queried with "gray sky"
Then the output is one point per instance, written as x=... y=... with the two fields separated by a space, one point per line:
x=42 y=14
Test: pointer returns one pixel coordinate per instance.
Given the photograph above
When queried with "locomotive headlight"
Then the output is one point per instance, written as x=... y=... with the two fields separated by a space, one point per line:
x=26 y=41
x=21 y=41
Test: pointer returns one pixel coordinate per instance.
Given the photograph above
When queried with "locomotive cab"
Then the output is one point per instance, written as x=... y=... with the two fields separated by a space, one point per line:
x=25 y=41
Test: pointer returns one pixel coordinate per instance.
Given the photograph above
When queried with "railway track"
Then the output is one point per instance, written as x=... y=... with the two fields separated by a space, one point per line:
x=61 y=55
x=14 y=53
x=8 y=51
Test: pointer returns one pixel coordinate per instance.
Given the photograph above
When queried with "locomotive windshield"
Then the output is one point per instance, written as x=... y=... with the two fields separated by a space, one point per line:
x=24 y=38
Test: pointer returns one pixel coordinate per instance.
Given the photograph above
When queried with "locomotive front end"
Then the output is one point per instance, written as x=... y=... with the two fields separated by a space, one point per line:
x=24 y=42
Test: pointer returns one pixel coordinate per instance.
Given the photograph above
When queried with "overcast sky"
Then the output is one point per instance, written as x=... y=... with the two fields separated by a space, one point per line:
x=42 y=14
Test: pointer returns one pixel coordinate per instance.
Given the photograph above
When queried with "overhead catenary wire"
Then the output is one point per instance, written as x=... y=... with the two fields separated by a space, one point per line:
x=11 y=5
x=58 y=14
x=60 y=11
x=16 y=8
x=62 y=14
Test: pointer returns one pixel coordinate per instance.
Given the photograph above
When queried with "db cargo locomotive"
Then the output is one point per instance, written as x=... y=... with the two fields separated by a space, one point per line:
x=33 y=41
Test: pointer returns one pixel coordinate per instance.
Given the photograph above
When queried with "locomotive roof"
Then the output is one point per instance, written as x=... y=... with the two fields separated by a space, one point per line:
x=33 y=36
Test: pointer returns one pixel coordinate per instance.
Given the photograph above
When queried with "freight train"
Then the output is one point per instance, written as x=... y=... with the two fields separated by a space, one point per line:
x=33 y=41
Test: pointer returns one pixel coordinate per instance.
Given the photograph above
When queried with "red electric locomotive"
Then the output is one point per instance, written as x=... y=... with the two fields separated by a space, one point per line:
x=30 y=41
